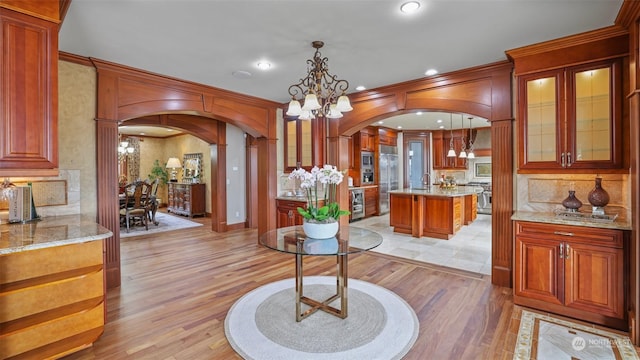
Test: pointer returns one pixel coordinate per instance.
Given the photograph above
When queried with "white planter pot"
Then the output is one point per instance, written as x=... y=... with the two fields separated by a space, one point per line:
x=320 y=231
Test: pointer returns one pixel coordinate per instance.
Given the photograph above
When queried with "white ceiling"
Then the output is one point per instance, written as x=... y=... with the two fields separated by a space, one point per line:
x=367 y=42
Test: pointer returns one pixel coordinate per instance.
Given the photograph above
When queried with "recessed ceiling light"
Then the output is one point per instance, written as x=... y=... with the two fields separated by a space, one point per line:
x=263 y=65
x=360 y=88
x=410 y=7
x=142 y=133
x=431 y=72
x=241 y=74
x=380 y=122
x=441 y=127
x=419 y=113
x=439 y=121
x=169 y=129
x=399 y=127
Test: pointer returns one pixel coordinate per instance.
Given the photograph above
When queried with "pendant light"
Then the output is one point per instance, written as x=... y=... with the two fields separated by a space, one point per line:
x=463 y=152
x=470 y=154
x=452 y=152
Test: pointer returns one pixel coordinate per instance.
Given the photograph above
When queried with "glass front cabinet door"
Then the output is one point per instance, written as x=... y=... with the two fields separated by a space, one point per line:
x=571 y=118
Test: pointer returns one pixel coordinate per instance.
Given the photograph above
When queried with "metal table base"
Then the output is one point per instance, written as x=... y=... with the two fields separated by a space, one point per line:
x=341 y=291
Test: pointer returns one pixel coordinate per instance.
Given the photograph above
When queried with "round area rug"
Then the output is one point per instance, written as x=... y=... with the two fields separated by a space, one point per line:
x=262 y=324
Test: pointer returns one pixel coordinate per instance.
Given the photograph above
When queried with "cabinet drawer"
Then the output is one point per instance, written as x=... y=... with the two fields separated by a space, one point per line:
x=57 y=259
x=290 y=204
x=41 y=334
x=579 y=234
x=40 y=297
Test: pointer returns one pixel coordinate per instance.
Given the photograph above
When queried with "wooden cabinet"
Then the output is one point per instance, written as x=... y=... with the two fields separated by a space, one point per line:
x=370 y=201
x=442 y=216
x=303 y=143
x=186 y=199
x=52 y=300
x=400 y=212
x=426 y=215
x=571 y=117
x=29 y=95
x=387 y=137
x=470 y=208
x=287 y=212
x=365 y=140
x=442 y=144
x=572 y=270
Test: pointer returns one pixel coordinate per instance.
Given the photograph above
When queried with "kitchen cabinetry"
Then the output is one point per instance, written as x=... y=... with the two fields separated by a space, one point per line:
x=370 y=201
x=470 y=208
x=441 y=146
x=424 y=213
x=572 y=270
x=387 y=137
x=287 y=211
x=288 y=214
x=298 y=150
x=51 y=300
x=186 y=199
x=365 y=140
x=571 y=117
x=29 y=88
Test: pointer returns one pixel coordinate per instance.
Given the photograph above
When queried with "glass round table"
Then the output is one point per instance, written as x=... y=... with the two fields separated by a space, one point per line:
x=349 y=240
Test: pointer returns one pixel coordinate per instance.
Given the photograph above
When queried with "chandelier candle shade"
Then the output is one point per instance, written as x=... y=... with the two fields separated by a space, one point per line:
x=324 y=94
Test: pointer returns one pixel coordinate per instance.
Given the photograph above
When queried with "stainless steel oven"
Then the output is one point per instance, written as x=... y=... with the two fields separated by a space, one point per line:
x=357 y=204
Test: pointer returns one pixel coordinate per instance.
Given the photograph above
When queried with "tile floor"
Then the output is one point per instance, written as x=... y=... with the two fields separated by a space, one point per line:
x=469 y=249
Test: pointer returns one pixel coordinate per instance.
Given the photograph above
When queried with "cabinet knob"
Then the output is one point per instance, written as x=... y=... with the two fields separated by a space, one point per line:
x=562 y=160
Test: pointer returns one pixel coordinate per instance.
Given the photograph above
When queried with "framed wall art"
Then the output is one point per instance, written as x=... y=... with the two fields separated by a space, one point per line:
x=192 y=168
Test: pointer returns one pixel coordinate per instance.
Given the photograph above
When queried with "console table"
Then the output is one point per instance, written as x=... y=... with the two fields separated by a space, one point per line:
x=349 y=240
x=186 y=199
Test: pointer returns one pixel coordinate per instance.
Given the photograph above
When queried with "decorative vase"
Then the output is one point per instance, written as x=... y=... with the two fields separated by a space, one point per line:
x=320 y=230
x=320 y=246
x=598 y=197
x=571 y=202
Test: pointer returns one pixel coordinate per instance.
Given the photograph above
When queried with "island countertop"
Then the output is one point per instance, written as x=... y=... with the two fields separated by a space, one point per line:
x=620 y=223
x=436 y=191
x=49 y=232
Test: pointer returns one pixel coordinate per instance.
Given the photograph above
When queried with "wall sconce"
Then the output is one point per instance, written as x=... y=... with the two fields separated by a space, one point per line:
x=173 y=164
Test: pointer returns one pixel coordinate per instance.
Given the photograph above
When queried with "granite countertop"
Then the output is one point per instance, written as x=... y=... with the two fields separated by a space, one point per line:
x=362 y=187
x=436 y=191
x=292 y=198
x=49 y=232
x=620 y=223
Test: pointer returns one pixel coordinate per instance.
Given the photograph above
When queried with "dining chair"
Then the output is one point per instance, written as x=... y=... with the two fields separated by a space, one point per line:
x=137 y=204
x=153 y=202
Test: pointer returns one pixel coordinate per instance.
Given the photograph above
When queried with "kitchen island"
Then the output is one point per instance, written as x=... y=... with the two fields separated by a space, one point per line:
x=432 y=212
x=52 y=293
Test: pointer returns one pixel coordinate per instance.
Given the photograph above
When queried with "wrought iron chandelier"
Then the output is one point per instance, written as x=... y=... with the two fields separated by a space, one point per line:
x=324 y=94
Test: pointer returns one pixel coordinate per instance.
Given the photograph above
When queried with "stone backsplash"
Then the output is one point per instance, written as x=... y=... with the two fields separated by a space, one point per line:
x=545 y=192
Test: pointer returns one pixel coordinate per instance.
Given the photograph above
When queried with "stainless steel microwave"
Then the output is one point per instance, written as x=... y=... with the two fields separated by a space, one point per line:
x=367 y=159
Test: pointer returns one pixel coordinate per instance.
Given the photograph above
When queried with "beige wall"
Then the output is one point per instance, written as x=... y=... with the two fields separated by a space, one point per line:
x=76 y=141
x=176 y=146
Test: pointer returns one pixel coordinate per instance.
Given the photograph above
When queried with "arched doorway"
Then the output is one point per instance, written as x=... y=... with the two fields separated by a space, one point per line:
x=126 y=94
x=483 y=91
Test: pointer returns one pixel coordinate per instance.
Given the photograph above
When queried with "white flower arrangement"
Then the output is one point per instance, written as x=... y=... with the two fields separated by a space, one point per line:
x=329 y=177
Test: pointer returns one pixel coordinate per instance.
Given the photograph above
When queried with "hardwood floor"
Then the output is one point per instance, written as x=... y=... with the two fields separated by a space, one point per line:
x=178 y=286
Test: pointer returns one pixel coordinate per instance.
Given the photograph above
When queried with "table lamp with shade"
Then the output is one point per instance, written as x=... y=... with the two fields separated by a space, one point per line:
x=173 y=164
